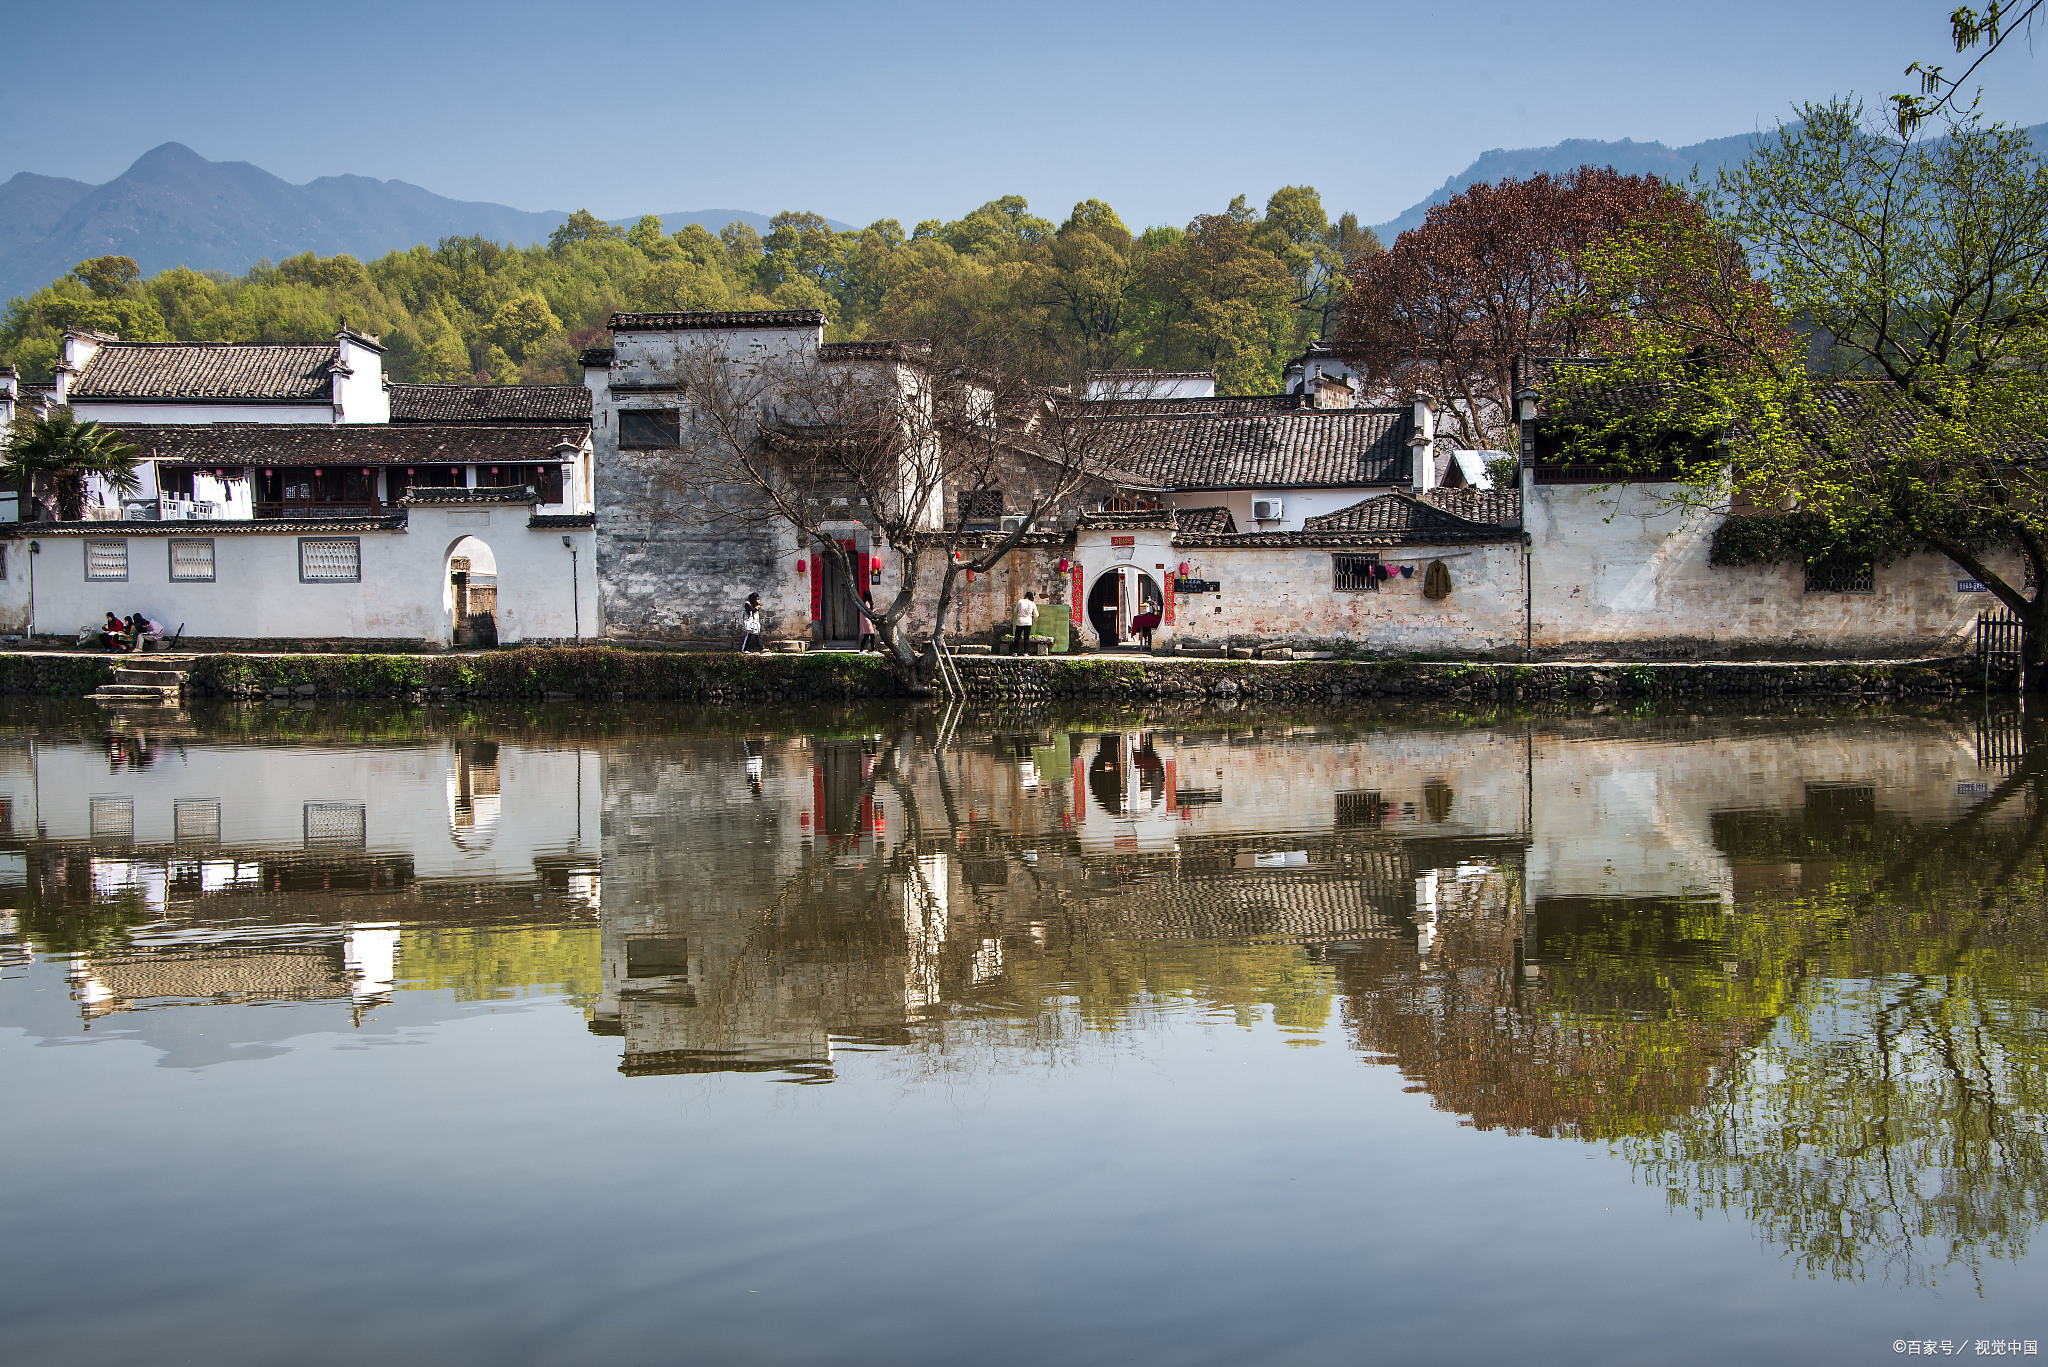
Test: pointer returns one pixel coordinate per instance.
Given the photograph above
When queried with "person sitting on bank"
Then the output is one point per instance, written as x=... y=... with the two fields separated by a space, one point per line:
x=750 y=625
x=144 y=633
x=114 y=633
x=1026 y=618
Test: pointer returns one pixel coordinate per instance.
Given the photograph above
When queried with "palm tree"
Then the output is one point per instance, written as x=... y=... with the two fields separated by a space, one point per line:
x=63 y=451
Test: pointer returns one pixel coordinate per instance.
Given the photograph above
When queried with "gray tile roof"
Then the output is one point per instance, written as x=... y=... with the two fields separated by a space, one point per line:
x=1402 y=519
x=490 y=403
x=493 y=493
x=727 y=320
x=1205 y=521
x=564 y=520
x=207 y=371
x=1291 y=448
x=294 y=443
x=1496 y=507
x=899 y=349
x=320 y=526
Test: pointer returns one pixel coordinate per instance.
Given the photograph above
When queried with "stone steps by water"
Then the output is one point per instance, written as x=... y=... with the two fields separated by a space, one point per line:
x=156 y=684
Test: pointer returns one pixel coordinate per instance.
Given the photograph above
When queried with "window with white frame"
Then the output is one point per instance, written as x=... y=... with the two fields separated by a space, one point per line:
x=192 y=562
x=342 y=824
x=330 y=560
x=106 y=560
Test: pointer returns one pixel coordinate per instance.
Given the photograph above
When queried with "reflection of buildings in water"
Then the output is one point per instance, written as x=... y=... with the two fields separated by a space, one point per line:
x=473 y=794
x=160 y=967
x=857 y=927
x=294 y=883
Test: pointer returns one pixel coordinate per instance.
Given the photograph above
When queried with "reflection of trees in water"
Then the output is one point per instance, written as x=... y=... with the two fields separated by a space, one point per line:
x=1553 y=1058
x=1893 y=1121
x=1890 y=1125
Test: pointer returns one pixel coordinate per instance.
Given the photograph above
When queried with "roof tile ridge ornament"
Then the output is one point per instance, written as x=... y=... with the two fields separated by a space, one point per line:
x=717 y=319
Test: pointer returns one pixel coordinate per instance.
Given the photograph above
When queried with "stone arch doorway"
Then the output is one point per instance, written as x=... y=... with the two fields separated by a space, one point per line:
x=1120 y=595
x=469 y=591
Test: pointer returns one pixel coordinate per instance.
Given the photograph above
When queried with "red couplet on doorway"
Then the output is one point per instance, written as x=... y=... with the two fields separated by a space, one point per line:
x=1074 y=598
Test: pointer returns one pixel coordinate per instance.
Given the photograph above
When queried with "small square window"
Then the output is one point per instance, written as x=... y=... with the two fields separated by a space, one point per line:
x=192 y=562
x=113 y=818
x=644 y=428
x=1356 y=573
x=336 y=824
x=195 y=819
x=106 y=560
x=330 y=560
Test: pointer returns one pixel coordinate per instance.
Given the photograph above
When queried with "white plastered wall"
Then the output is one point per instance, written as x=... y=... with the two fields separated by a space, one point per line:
x=1623 y=565
x=256 y=592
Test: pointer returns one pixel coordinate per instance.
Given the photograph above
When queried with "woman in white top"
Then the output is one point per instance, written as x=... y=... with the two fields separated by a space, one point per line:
x=1027 y=617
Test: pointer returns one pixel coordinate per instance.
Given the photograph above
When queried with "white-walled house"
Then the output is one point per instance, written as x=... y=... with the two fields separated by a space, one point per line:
x=366 y=580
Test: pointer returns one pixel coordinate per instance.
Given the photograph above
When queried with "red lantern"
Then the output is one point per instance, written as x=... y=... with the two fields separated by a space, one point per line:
x=1063 y=567
x=316 y=469
x=1183 y=570
x=799 y=569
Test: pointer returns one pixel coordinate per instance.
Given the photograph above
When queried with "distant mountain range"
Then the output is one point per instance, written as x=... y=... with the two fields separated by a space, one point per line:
x=1628 y=157
x=173 y=207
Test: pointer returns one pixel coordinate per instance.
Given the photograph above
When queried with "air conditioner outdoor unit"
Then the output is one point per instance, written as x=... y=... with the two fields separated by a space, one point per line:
x=1012 y=524
x=1267 y=510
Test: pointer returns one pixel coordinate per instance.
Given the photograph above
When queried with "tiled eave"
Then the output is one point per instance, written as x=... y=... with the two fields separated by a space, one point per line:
x=297 y=526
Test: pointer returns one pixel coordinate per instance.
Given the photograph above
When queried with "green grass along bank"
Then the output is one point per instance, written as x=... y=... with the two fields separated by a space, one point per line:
x=603 y=673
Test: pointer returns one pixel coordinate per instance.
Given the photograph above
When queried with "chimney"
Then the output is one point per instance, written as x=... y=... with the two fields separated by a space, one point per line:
x=1332 y=391
x=1422 y=445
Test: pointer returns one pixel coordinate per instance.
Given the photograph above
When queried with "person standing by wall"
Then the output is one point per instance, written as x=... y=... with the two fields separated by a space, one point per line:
x=1027 y=617
x=750 y=624
x=867 y=621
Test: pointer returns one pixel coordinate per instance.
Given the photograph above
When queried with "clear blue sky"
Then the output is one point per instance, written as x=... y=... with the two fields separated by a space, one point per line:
x=916 y=110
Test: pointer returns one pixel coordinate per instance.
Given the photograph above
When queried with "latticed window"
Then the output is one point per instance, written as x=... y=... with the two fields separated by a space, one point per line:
x=1356 y=573
x=981 y=505
x=1839 y=575
x=195 y=819
x=330 y=560
x=112 y=818
x=192 y=562
x=106 y=560
x=336 y=823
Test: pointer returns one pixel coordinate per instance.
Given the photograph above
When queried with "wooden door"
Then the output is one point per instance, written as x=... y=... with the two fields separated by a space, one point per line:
x=839 y=610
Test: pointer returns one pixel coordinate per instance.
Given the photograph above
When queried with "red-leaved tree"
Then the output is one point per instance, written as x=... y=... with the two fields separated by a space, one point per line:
x=1492 y=272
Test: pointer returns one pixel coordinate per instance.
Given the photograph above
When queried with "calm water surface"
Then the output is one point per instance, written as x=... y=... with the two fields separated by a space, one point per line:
x=638 y=1036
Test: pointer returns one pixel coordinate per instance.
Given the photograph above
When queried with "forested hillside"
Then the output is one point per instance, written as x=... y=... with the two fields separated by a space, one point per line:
x=1237 y=291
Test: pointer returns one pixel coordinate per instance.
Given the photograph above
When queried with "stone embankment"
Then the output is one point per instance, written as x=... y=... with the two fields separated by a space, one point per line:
x=1029 y=681
x=610 y=674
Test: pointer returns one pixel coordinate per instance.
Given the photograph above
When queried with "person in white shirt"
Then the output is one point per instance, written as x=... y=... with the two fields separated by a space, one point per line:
x=1027 y=617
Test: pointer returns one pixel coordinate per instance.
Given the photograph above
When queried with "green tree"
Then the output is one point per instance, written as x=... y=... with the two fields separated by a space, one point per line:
x=1223 y=303
x=1919 y=269
x=521 y=321
x=107 y=276
x=1088 y=283
x=583 y=226
x=800 y=246
x=61 y=453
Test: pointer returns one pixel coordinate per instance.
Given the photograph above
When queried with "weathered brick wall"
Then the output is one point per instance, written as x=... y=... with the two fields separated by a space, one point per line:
x=667 y=572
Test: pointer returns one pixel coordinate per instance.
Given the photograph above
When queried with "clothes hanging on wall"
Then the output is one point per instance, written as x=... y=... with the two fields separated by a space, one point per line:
x=1436 y=581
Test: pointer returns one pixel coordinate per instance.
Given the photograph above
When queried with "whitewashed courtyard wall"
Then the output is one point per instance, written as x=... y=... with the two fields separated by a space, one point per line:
x=1621 y=567
x=403 y=593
